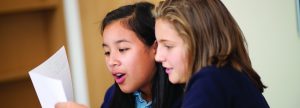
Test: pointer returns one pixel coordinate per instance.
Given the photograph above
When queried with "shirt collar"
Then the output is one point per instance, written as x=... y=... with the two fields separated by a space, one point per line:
x=139 y=99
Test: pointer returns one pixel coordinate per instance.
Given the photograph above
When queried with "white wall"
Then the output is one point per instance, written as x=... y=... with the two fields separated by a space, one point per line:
x=270 y=27
x=77 y=61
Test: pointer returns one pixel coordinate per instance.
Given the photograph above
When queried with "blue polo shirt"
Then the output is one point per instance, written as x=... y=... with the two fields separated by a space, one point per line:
x=140 y=102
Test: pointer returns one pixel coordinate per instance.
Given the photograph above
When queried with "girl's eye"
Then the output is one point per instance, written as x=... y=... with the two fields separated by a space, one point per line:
x=107 y=53
x=123 y=49
x=168 y=46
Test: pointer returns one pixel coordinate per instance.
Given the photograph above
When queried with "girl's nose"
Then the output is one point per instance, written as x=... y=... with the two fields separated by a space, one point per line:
x=113 y=60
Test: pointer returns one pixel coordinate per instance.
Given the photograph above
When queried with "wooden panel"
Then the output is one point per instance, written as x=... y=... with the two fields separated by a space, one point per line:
x=12 y=6
x=56 y=28
x=30 y=31
x=18 y=94
x=23 y=43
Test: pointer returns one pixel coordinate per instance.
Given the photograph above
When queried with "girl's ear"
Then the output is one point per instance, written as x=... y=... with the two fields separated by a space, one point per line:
x=154 y=47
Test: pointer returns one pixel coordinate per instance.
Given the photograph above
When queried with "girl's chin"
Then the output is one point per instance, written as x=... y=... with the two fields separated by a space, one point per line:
x=126 y=90
x=173 y=80
x=176 y=80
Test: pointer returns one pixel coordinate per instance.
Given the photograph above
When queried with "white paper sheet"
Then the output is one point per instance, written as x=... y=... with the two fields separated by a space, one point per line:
x=52 y=80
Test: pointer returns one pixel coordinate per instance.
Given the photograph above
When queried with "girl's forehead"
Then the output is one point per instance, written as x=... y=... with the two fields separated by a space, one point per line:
x=117 y=31
x=165 y=33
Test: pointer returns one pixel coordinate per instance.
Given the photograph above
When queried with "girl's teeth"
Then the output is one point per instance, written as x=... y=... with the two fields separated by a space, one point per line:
x=119 y=75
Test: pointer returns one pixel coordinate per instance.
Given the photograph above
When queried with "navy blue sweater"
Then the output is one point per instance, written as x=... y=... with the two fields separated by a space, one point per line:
x=224 y=87
x=108 y=96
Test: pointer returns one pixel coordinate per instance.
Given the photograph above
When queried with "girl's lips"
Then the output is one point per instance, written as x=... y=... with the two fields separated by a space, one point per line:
x=168 y=70
x=119 y=78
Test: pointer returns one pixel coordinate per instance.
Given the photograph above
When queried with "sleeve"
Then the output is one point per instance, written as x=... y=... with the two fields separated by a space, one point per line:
x=108 y=96
x=205 y=90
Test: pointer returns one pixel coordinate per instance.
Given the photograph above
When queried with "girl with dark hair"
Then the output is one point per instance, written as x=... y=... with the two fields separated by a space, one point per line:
x=201 y=45
x=130 y=46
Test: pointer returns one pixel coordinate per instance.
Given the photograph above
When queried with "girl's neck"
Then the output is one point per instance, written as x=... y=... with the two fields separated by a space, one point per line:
x=147 y=92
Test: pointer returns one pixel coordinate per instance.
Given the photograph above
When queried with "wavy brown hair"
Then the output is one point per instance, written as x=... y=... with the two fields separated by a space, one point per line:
x=212 y=35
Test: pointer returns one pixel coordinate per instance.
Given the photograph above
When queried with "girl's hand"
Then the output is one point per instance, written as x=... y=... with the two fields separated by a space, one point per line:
x=69 y=105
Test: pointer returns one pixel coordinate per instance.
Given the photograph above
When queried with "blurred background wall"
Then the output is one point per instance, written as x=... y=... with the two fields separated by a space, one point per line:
x=270 y=27
x=32 y=30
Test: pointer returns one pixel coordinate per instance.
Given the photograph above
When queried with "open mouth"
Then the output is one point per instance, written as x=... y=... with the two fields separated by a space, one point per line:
x=119 y=77
x=168 y=70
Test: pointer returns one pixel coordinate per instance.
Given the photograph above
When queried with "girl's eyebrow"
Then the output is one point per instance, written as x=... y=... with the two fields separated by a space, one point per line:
x=162 y=40
x=117 y=42
x=122 y=40
x=165 y=41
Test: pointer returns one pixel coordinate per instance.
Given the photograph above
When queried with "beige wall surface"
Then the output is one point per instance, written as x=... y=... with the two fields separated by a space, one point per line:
x=270 y=27
x=92 y=12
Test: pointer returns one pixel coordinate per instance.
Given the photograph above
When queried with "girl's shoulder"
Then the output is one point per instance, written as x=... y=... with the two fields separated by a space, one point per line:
x=108 y=96
x=215 y=87
x=225 y=75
